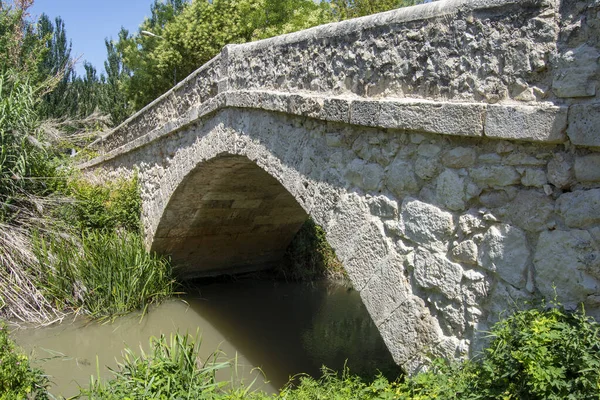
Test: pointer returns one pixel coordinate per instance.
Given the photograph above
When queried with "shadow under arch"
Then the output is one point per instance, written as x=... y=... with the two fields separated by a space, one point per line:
x=228 y=215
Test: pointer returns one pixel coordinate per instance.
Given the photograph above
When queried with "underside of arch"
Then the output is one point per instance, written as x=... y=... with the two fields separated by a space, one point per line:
x=227 y=216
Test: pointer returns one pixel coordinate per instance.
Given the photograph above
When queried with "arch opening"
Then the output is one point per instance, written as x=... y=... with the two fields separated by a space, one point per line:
x=227 y=216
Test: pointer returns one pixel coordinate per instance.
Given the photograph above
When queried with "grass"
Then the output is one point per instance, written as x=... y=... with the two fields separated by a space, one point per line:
x=171 y=370
x=18 y=380
x=105 y=274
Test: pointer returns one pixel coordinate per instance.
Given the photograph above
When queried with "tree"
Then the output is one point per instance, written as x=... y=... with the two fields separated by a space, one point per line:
x=345 y=9
x=56 y=62
x=117 y=75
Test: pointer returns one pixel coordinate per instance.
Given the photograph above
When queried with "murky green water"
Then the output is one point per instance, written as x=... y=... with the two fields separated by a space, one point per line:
x=282 y=328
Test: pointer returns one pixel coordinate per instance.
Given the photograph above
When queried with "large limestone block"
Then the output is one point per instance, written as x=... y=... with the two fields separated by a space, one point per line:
x=401 y=179
x=451 y=190
x=504 y=250
x=581 y=208
x=459 y=157
x=434 y=271
x=387 y=289
x=587 y=168
x=425 y=224
x=584 y=124
x=366 y=176
x=495 y=175
x=567 y=260
x=576 y=71
x=530 y=210
x=519 y=122
x=435 y=117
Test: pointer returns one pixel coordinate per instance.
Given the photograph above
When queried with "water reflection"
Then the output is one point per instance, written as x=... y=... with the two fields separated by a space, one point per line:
x=282 y=328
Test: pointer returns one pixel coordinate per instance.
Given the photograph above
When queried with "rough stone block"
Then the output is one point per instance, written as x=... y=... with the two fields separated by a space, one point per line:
x=434 y=117
x=587 y=168
x=336 y=110
x=581 y=208
x=459 y=157
x=584 y=124
x=465 y=252
x=495 y=175
x=364 y=112
x=434 y=271
x=504 y=251
x=562 y=262
x=576 y=71
x=305 y=105
x=518 y=122
x=434 y=234
x=451 y=190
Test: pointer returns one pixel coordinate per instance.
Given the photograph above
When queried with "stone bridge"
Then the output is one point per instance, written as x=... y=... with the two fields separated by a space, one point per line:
x=451 y=152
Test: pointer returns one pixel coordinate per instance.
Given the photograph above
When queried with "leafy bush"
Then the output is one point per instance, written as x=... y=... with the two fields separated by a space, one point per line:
x=310 y=257
x=106 y=207
x=17 y=379
x=105 y=274
x=543 y=354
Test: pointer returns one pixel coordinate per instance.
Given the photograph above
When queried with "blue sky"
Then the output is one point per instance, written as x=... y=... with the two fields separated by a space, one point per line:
x=88 y=22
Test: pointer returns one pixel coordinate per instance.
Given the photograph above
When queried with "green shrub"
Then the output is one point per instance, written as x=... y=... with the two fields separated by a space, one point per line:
x=105 y=207
x=543 y=354
x=310 y=257
x=18 y=380
x=106 y=273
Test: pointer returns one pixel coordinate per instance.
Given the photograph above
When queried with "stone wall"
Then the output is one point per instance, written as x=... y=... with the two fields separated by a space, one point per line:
x=451 y=152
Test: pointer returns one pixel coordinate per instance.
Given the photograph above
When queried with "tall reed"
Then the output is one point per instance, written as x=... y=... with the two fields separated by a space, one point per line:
x=104 y=274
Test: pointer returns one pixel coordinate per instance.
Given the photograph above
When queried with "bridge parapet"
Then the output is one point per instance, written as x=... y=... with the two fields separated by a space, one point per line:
x=482 y=59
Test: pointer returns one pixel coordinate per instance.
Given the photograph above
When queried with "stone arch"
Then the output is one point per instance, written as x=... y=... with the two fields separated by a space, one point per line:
x=228 y=215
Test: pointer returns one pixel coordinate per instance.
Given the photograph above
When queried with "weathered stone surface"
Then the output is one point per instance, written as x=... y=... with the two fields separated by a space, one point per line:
x=383 y=206
x=450 y=118
x=367 y=176
x=495 y=175
x=581 y=208
x=504 y=250
x=465 y=252
x=526 y=123
x=401 y=179
x=530 y=210
x=459 y=157
x=434 y=271
x=560 y=171
x=534 y=177
x=425 y=224
x=451 y=190
x=584 y=124
x=387 y=290
x=470 y=222
x=587 y=168
x=577 y=72
x=563 y=262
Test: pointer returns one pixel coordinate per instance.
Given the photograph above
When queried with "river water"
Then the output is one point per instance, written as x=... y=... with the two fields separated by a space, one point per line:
x=282 y=328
